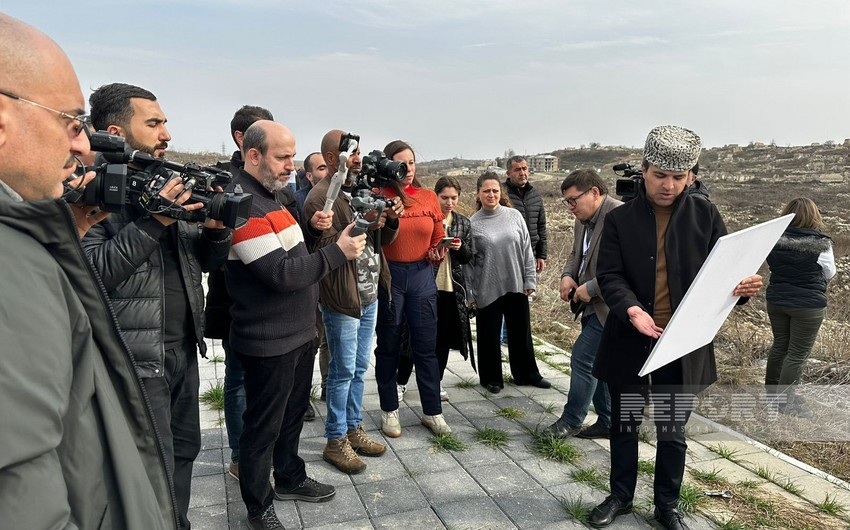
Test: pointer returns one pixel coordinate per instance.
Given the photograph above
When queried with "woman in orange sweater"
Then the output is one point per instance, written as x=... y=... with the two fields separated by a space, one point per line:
x=414 y=296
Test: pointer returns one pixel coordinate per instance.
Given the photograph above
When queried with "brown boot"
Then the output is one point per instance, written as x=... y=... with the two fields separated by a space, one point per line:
x=339 y=453
x=364 y=445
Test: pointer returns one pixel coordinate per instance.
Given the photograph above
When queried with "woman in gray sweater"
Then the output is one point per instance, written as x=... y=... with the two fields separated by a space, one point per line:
x=501 y=278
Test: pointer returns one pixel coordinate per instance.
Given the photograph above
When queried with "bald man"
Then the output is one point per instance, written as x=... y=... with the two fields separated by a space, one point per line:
x=273 y=279
x=79 y=447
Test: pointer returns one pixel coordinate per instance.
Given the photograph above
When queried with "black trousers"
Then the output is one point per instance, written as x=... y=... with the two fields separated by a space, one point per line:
x=277 y=393
x=514 y=308
x=174 y=401
x=672 y=407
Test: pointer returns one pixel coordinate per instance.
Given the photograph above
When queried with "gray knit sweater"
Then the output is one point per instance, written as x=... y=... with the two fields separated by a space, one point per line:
x=503 y=261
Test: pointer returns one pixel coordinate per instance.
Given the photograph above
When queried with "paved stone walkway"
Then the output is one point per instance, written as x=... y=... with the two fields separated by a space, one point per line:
x=413 y=486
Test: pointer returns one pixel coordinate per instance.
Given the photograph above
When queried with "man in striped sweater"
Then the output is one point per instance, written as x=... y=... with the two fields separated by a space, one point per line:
x=273 y=280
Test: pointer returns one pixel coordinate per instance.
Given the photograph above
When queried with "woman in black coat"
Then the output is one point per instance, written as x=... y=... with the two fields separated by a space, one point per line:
x=800 y=265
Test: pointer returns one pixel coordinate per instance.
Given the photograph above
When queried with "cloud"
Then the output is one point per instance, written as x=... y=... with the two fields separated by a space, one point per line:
x=478 y=45
x=597 y=44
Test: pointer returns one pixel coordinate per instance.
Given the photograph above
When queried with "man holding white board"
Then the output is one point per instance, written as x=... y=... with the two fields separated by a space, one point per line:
x=651 y=250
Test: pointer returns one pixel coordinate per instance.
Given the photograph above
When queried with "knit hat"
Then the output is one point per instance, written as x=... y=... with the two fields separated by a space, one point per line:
x=672 y=148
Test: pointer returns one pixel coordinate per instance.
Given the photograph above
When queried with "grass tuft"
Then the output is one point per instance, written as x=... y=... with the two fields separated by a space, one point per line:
x=690 y=498
x=711 y=478
x=733 y=524
x=213 y=397
x=491 y=437
x=592 y=478
x=576 y=508
x=646 y=467
x=217 y=359
x=830 y=505
x=468 y=382
x=447 y=442
x=511 y=413
x=555 y=449
x=729 y=454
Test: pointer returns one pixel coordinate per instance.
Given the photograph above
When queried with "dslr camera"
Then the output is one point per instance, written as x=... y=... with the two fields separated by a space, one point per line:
x=629 y=182
x=117 y=185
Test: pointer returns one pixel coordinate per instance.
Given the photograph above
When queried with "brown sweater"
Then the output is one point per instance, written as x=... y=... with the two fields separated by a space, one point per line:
x=663 y=310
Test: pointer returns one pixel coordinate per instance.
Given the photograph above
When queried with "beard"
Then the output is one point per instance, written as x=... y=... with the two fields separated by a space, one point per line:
x=270 y=180
x=151 y=150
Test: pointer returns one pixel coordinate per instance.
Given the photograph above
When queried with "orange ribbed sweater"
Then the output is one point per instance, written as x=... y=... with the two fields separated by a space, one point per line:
x=420 y=228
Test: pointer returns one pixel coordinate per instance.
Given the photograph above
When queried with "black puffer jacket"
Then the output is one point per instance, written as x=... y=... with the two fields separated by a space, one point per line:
x=125 y=249
x=530 y=205
x=461 y=228
x=796 y=277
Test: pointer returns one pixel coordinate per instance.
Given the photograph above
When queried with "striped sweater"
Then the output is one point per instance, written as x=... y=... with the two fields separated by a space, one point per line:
x=272 y=278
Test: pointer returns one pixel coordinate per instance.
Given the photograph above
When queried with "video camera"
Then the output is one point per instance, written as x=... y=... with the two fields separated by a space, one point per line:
x=376 y=171
x=116 y=185
x=631 y=177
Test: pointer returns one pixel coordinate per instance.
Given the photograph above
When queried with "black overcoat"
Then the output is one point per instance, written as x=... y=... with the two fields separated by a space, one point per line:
x=626 y=275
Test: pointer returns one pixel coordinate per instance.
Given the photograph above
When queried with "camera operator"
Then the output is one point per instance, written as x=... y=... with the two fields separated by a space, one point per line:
x=349 y=303
x=79 y=447
x=151 y=266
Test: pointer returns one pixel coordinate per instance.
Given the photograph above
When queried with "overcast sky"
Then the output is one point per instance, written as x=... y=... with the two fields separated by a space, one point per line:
x=471 y=78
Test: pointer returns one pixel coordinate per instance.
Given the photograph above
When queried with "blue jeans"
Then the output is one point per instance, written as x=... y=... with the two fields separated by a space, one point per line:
x=234 y=398
x=350 y=345
x=583 y=386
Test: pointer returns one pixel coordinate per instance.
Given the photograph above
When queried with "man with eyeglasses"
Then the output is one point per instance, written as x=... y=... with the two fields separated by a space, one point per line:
x=79 y=447
x=151 y=266
x=586 y=197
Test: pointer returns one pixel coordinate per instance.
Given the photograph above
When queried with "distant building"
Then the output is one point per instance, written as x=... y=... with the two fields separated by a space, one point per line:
x=544 y=163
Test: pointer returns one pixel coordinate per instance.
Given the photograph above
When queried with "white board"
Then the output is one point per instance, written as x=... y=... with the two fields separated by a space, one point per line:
x=709 y=299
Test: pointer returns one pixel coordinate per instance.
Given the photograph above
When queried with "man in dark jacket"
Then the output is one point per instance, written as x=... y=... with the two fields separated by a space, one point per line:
x=217 y=312
x=529 y=202
x=272 y=279
x=151 y=266
x=78 y=444
x=315 y=169
x=651 y=250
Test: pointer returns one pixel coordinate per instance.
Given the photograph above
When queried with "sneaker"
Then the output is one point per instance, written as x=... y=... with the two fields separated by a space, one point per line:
x=390 y=424
x=309 y=491
x=437 y=424
x=444 y=396
x=233 y=470
x=362 y=444
x=265 y=521
x=400 y=390
x=339 y=454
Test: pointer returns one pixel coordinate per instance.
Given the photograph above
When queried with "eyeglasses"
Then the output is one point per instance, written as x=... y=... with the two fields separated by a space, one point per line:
x=573 y=200
x=80 y=123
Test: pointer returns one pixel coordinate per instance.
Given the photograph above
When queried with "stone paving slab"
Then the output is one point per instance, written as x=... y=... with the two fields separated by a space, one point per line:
x=413 y=486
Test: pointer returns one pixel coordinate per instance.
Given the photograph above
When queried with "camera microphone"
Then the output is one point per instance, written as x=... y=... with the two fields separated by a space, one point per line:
x=620 y=167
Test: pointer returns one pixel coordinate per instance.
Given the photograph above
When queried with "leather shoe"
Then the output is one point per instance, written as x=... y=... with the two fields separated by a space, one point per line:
x=595 y=431
x=540 y=383
x=670 y=519
x=610 y=509
x=494 y=389
x=561 y=429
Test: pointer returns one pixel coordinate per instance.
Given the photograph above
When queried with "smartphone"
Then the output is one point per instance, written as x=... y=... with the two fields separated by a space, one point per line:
x=446 y=241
